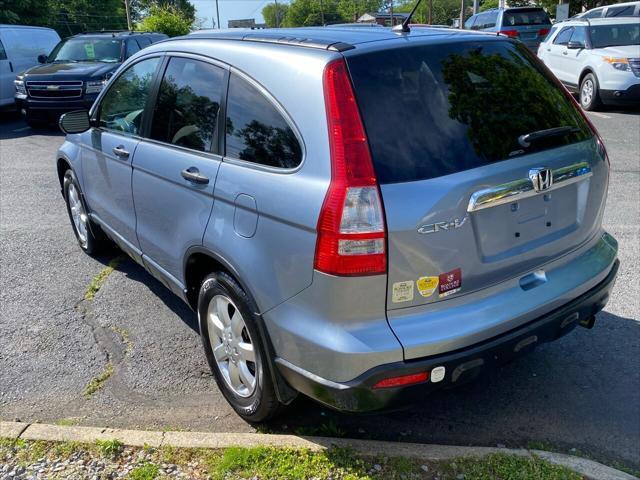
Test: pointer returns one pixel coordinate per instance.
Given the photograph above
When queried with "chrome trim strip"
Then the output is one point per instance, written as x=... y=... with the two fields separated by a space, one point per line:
x=523 y=188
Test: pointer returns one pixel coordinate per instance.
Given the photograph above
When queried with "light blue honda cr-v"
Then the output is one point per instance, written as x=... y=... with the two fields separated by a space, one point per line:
x=354 y=214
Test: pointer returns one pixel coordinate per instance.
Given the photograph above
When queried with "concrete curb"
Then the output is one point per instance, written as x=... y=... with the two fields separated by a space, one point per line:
x=138 y=438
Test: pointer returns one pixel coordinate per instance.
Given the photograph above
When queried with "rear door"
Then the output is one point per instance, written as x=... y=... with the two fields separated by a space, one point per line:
x=444 y=124
x=556 y=58
x=175 y=167
x=532 y=25
x=7 y=76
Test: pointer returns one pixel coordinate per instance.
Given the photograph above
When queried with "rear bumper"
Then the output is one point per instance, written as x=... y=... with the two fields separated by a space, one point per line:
x=358 y=395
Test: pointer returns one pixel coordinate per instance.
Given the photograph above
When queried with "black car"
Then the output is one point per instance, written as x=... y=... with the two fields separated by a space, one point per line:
x=73 y=75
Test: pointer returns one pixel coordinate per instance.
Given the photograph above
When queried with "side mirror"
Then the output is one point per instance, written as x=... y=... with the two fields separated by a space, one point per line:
x=575 y=45
x=75 y=122
x=42 y=58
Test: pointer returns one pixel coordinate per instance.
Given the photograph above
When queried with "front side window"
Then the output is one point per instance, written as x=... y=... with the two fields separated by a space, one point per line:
x=255 y=129
x=593 y=14
x=122 y=107
x=186 y=112
x=564 y=36
x=81 y=49
x=469 y=23
x=580 y=35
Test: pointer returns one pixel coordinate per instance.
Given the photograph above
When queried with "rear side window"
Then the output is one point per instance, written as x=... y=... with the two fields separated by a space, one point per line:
x=256 y=131
x=522 y=17
x=3 y=53
x=434 y=110
x=624 y=11
x=132 y=47
x=593 y=14
x=144 y=42
x=186 y=112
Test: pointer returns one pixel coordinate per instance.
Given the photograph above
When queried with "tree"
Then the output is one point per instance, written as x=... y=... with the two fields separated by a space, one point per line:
x=351 y=10
x=306 y=13
x=27 y=12
x=166 y=19
x=140 y=8
x=269 y=14
x=444 y=11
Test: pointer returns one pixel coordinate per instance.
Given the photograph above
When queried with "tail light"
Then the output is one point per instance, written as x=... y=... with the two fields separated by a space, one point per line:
x=510 y=33
x=351 y=228
x=543 y=32
x=402 y=381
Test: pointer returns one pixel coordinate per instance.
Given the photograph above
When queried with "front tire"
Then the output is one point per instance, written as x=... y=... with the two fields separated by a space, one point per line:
x=589 y=93
x=89 y=235
x=234 y=350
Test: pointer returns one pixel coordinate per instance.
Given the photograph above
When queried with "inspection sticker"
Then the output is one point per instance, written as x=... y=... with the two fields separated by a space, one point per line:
x=402 y=292
x=450 y=282
x=427 y=285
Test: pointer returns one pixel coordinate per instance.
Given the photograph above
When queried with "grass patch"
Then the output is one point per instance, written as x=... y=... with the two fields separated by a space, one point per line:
x=109 y=448
x=65 y=422
x=123 y=333
x=96 y=282
x=286 y=464
x=510 y=467
x=98 y=382
x=146 y=471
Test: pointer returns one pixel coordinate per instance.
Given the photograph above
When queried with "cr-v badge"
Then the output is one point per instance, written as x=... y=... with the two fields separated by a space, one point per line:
x=440 y=226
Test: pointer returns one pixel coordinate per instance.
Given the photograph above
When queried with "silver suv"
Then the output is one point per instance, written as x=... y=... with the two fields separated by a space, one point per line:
x=355 y=214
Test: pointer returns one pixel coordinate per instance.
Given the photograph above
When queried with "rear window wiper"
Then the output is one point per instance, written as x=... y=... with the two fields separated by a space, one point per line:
x=527 y=139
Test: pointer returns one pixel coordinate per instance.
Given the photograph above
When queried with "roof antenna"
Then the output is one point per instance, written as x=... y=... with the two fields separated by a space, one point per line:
x=404 y=26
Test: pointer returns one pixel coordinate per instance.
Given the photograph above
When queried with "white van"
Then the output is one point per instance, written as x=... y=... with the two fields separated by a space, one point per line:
x=20 y=46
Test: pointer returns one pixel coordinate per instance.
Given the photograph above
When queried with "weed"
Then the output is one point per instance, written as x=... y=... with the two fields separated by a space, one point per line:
x=109 y=448
x=97 y=383
x=146 y=471
x=98 y=281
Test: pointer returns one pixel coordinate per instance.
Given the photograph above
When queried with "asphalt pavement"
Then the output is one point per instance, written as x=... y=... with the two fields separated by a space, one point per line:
x=581 y=392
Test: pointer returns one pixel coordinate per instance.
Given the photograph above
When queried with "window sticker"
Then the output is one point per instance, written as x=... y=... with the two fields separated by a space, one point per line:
x=90 y=51
x=402 y=292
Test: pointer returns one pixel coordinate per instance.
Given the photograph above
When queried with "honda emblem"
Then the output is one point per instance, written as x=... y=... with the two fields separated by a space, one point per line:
x=541 y=178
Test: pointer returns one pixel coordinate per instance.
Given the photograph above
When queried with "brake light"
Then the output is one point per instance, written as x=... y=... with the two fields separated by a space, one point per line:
x=542 y=32
x=402 y=381
x=351 y=228
x=510 y=33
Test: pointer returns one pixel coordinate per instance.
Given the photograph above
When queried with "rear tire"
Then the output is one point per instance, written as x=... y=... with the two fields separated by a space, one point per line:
x=90 y=236
x=589 y=93
x=240 y=363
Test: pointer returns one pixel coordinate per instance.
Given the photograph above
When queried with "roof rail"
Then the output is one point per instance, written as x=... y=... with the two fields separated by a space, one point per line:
x=104 y=31
x=281 y=39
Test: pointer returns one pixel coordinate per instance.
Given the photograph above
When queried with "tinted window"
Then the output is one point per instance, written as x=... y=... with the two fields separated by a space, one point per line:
x=84 y=49
x=550 y=34
x=256 y=131
x=144 y=42
x=593 y=14
x=626 y=11
x=469 y=23
x=615 y=35
x=132 y=47
x=434 y=110
x=186 y=111
x=564 y=36
x=515 y=18
x=3 y=54
x=579 y=35
x=123 y=105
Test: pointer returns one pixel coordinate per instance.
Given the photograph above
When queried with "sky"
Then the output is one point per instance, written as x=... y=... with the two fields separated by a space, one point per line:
x=229 y=10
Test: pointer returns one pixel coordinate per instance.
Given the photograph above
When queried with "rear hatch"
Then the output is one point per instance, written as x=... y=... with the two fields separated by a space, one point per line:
x=445 y=125
x=531 y=24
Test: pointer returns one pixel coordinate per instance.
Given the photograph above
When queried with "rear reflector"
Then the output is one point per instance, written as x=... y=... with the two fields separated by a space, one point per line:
x=403 y=380
x=509 y=33
x=351 y=228
x=543 y=31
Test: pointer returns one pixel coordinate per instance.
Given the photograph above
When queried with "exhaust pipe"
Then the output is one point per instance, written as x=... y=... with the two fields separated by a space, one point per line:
x=588 y=322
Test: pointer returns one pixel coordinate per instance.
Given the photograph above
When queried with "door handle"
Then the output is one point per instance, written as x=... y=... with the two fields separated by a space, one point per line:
x=11 y=66
x=548 y=49
x=193 y=175
x=564 y=53
x=119 y=151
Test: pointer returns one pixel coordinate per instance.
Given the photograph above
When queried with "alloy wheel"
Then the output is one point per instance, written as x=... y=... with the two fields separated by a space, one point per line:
x=78 y=214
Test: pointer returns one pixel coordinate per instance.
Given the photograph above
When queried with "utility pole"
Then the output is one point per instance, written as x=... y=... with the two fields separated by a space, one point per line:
x=476 y=6
x=218 y=14
x=430 y=12
x=277 y=13
x=461 y=25
x=391 y=10
x=128 y=10
x=321 y=13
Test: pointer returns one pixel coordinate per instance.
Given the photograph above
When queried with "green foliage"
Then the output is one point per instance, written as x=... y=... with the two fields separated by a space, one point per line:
x=146 y=471
x=509 y=467
x=286 y=464
x=109 y=448
x=140 y=8
x=166 y=19
x=443 y=11
x=97 y=383
x=489 y=4
x=304 y=13
x=270 y=11
x=16 y=11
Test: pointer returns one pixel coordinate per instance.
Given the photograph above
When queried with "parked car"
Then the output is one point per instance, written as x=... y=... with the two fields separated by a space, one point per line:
x=599 y=59
x=528 y=24
x=354 y=214
x=73 y=75
x=627 y=9
x=20 y=46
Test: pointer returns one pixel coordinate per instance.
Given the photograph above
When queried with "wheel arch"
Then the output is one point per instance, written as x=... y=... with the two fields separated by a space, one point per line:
x=586 y=71
x=199 y=262
x=62 y=165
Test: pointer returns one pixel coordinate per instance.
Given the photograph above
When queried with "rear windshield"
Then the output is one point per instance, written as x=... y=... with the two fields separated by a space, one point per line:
x=433 y=110
x=615 y=35
x=534 y=16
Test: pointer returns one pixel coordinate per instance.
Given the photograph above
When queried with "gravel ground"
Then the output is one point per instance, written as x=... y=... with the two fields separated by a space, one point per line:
x=581 y=392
